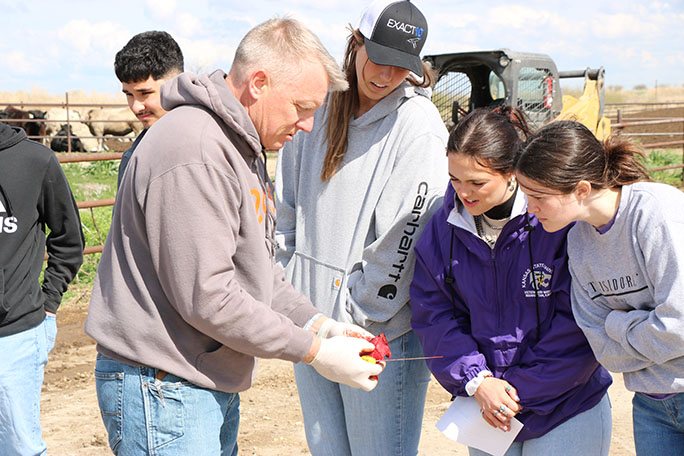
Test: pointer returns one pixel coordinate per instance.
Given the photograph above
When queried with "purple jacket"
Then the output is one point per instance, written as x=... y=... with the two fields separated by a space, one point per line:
x=487 y=318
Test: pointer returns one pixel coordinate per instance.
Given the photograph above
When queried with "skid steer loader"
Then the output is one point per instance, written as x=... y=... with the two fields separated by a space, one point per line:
x=469 y=80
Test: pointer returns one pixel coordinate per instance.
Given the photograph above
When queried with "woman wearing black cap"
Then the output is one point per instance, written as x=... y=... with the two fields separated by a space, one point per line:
x=353 y=197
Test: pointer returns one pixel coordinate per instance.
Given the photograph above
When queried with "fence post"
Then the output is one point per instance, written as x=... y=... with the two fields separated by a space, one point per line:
x=619 y=116
x=66 y=98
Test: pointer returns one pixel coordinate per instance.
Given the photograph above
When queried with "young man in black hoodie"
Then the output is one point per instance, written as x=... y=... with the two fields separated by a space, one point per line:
x=34 y=195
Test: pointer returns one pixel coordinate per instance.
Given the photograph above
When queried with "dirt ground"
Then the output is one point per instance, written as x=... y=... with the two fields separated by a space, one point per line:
x=675 y=128
x=271 y=422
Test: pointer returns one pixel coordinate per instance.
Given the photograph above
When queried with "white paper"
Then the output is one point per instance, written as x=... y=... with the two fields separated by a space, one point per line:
x=463 y=423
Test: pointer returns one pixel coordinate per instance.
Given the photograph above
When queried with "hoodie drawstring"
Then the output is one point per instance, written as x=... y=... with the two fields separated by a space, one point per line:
x=270 y=228
x=529 y=228
x=449 y=279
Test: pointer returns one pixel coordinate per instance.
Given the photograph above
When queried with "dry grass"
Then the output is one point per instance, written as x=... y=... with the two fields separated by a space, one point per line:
x=38 y=95
x=615 y=94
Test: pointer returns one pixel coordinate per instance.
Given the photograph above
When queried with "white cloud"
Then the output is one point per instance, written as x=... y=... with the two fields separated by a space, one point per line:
x=205 y=55
x=627 y=37
x=18 y=62
x=675 y=58
x=94 y=39
x=188 y=24
x=353 y=6
x=333 y=35
x=649 y=60
x=566 y=48
x=446 y=21
x=161 y=8
x=621 y=25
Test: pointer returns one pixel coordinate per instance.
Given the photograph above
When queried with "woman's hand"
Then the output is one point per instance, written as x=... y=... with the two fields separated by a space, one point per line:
x=498 y=401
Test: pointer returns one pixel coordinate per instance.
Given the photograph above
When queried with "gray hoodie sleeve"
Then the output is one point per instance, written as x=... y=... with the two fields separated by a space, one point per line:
x=638 y=330
x=591 y=318
x=379 y=284
x=657 y=332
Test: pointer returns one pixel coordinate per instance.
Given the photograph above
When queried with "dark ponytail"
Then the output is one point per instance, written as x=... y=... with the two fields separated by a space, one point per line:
x=623 y=166
x=492 y=138
x=563 y=153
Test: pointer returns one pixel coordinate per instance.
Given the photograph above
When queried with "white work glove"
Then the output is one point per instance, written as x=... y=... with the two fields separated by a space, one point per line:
x=338 y=359
x=332 y=328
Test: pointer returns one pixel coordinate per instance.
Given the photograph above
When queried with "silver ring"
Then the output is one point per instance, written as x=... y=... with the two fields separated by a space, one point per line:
x=502 y=409
x=496 y=413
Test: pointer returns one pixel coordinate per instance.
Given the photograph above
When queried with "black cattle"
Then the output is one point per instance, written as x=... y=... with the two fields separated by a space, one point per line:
x=26 y=120
x=60 y=142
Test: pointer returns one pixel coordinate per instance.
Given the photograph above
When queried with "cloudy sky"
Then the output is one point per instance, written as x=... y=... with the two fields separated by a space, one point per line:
x=61 y=46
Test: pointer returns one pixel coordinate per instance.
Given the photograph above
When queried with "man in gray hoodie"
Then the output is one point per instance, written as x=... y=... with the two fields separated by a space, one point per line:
x=187 y=294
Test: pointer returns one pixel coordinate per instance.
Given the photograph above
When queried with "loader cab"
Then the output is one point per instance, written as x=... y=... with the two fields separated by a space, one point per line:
x=469 y=80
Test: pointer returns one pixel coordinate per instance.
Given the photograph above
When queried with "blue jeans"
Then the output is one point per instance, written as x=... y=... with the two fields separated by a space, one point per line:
x=24 y=356
x=340 y=420
x=586 y=434
x=167 y=417
x=658 y=425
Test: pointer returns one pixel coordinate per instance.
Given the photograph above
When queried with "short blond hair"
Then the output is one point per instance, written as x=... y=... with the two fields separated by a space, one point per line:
x=281 y=45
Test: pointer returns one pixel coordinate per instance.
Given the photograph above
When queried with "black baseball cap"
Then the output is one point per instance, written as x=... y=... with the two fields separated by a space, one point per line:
x=394 y=32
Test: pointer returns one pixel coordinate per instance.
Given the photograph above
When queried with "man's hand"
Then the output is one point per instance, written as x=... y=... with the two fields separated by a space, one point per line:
x=332 y=328
x=338 y=360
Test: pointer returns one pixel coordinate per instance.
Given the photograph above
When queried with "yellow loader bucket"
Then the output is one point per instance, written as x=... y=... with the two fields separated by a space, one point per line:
x=587 y=108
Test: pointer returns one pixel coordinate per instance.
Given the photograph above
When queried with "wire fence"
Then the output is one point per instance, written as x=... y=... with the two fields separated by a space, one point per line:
x=638 y=120
x=656 y=125
x=31 y=115
x=74 y=114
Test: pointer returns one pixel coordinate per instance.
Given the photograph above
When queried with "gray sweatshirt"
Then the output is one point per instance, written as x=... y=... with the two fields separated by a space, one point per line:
x=628 y=288
x=187 y=281
x=348 y=243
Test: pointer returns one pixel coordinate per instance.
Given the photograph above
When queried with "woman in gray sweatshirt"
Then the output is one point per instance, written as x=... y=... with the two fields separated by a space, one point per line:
x=626 y=257
x=352 y=198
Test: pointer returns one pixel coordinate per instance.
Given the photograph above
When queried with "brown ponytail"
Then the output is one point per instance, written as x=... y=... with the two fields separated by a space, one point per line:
x=491 y=137
x=623 y=166
x=563 y=153
x=341 y=106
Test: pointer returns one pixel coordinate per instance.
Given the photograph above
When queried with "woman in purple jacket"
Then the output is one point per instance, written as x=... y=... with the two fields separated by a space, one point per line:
x=490 y=295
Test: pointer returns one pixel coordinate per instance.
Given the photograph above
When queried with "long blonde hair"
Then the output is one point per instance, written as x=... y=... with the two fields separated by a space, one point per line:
x=342 y=105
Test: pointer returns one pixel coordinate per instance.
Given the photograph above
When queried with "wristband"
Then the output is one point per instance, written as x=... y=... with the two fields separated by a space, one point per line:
x=474 y=383
x=311 y=321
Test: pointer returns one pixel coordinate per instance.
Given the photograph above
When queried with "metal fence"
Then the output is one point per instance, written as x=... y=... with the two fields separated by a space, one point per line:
x=658 y=125
x=74 y=157
x=69 y=107
x=626 y=119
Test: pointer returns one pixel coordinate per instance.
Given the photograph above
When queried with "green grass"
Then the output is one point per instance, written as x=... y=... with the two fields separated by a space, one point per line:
x=97 y=180
x=91 y=181
x=665 y=157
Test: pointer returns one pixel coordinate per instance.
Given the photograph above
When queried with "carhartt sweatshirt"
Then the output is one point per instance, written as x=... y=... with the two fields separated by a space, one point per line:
x=347 y=243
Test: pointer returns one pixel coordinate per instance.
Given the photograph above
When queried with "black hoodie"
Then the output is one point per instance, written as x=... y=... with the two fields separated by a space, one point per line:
x=34 y=194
